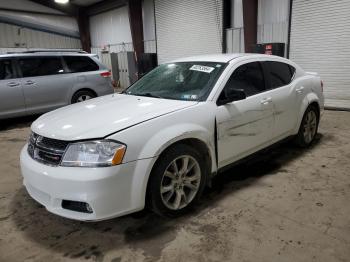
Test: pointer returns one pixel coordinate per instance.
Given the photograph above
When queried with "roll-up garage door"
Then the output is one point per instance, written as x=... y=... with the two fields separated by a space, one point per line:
x=187 y=28
x=320 y=41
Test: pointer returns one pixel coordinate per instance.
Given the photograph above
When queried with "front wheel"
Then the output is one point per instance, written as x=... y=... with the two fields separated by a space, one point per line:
x=308 y=128
x=177 y=181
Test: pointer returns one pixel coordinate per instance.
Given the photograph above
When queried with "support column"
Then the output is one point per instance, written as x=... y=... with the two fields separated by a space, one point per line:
x=84 y=29
x=226 y=22
x=136 y=27
x=250 y=22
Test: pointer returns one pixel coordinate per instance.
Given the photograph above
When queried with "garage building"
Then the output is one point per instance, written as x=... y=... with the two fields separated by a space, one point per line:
x=78 y=182
x=173 y=29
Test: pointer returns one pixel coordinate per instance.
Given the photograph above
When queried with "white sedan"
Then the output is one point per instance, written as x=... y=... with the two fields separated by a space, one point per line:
x=160 y=142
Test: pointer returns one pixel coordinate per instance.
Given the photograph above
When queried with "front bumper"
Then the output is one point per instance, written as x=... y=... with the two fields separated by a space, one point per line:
x=110 y=191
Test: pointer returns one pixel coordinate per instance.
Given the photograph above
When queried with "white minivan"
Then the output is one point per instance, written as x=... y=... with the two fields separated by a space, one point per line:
x=160 y=142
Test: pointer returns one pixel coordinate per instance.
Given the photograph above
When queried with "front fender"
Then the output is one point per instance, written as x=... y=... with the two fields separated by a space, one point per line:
x=170 y=135
x=156 y=145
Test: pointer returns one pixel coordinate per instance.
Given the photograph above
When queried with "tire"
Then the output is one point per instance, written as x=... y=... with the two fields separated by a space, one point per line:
x=82 y=95
x=308 y=127
x=177 y=187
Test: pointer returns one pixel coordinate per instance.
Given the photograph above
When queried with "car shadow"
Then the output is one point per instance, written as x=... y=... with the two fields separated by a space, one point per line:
x=18 y=122
x=143 y=230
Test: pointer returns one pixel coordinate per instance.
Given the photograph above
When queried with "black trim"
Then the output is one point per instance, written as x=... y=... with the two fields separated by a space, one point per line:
x=289 y=26
x=216 y=138
x=266 y=71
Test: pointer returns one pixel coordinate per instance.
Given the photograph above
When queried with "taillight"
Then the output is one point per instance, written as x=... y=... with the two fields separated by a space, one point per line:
x=106 y=74
x=322 y=85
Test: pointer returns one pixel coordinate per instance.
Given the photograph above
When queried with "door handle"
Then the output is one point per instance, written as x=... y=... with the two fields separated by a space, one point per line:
x=299 y=89
x=12 y=84
x=266 y=101
x=29 y=82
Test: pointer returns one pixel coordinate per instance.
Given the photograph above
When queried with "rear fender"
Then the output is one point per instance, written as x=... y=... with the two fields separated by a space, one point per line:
x=308 y=99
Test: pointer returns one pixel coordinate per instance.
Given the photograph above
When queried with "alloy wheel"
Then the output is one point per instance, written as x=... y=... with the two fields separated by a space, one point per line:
x=310 y=126
x=180 y=182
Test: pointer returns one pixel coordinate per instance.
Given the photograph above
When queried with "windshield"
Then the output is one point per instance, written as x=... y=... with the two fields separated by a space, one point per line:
x=191 y=81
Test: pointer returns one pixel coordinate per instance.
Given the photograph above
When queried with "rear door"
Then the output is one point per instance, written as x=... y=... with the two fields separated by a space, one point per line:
x=45 y=83
x=284 y=96
x=11 y=94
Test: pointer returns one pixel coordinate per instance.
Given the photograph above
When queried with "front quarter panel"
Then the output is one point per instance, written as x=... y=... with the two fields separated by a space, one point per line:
x=149 y=139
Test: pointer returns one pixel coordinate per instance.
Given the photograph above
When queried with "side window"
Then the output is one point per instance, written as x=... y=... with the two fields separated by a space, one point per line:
x=80 y=64
x=280 y=73
x=6 y=69
x=40 y=66
x=292 y=71
x=248 y=77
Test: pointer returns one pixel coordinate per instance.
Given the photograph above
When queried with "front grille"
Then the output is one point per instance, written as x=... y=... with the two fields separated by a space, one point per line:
x=46 y=150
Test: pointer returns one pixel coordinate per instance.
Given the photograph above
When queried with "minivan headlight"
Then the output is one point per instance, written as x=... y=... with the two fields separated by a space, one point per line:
x=99 y=153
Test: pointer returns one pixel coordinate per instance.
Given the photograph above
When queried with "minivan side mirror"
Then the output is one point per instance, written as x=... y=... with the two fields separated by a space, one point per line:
x=232 y=95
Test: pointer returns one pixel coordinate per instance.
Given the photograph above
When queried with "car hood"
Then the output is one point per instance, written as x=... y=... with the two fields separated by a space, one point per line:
x=102 y=116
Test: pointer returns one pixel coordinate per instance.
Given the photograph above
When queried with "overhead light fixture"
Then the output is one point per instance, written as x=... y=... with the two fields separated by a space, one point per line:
x=62 y=1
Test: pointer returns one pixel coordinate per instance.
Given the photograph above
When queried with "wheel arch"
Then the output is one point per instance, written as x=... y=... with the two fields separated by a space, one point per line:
x=165 y=139
x=310 y=99
x=195 y=143
x=83 y=89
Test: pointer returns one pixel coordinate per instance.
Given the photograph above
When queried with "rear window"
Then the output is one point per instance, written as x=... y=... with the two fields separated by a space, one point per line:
x=6 y=69
x=281 y=74
x=80 y=64
x=40 y=66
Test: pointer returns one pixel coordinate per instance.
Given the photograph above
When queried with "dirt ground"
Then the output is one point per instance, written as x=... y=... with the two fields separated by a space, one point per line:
x=286 y=205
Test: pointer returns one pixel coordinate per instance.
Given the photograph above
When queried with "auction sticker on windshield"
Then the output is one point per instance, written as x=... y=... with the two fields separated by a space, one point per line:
x=200 y=68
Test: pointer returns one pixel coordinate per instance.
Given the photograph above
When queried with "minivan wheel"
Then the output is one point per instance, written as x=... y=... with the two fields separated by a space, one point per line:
x=177 y=181
x=82 y=96
x=308 y=128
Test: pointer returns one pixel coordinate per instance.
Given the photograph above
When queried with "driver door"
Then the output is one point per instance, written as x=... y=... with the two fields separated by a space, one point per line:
x=244 y=126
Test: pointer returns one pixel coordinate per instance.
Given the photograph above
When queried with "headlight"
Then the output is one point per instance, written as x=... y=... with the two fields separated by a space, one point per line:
x=99 y=153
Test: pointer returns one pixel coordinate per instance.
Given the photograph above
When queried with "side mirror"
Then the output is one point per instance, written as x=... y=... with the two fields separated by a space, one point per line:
x=232 y=95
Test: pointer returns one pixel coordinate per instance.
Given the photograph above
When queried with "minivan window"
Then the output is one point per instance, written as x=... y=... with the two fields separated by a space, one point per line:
x=280 y=73
x=80 y=64
x=6 y=69
x=40 y=66
x=248 y=77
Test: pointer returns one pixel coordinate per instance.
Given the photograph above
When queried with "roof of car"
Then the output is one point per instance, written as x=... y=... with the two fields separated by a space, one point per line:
x=219 y=58
x=58 y=53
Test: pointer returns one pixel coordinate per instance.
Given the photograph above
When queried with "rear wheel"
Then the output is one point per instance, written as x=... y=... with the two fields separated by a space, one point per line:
x=308 y=128
x=82 y=96
x=177 y=181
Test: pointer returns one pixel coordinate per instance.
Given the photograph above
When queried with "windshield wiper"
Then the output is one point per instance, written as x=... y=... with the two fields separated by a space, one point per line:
x=148 y=95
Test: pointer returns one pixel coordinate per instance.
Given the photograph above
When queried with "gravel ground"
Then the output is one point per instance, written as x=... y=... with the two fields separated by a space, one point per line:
x=284 y=205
